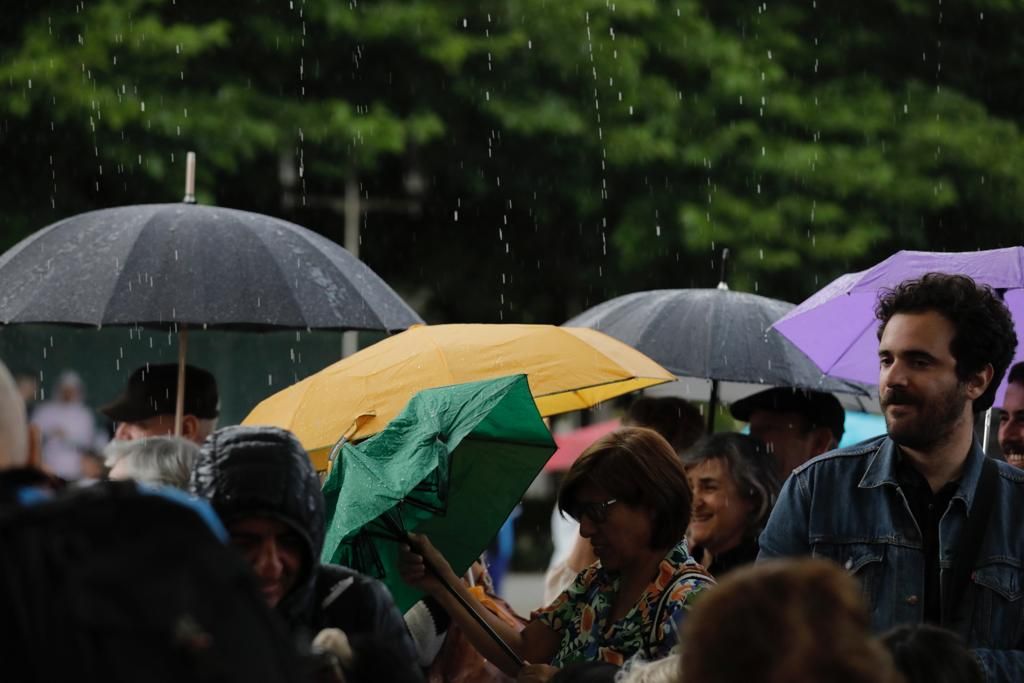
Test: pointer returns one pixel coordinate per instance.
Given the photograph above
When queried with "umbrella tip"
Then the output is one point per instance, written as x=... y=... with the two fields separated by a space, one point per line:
x=725 y=261
x=190 y=178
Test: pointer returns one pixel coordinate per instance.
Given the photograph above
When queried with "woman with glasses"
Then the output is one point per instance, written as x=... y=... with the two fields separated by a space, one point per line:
x=629 y=492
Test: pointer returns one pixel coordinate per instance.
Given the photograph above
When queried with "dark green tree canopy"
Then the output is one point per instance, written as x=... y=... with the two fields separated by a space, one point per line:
x=521 y=160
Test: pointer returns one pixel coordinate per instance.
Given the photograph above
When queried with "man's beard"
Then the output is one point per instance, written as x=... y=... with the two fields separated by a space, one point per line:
x=934 y=421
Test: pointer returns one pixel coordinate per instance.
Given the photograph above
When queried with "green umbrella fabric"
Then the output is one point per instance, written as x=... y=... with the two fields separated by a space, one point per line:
x=452 y=465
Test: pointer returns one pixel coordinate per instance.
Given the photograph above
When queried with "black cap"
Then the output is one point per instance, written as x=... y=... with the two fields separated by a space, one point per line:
x=153 y=390
x=822 y=409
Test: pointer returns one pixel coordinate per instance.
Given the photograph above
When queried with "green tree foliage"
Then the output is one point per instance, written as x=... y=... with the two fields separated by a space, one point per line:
x=524 y=159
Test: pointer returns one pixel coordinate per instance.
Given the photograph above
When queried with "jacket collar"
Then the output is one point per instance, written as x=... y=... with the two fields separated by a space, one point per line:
x=881 y=470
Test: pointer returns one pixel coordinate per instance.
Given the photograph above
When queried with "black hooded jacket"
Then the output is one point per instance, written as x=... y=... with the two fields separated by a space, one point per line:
x=264 y=471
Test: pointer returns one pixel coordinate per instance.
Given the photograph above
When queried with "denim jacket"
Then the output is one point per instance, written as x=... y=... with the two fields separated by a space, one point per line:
x=846 y=505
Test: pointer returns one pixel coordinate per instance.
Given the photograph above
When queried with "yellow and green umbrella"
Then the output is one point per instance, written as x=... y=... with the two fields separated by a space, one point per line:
x=567 y=369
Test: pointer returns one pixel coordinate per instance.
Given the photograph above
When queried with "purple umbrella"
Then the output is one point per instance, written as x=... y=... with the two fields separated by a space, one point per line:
x=837 y=329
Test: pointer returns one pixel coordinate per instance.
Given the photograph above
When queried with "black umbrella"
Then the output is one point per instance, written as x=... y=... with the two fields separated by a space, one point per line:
x=200 y=266
x=713 y=334
x=181 y=266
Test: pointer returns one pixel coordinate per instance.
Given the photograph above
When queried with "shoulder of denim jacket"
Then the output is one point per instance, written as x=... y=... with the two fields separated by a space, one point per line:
x=1010 y=472
x=857 y=450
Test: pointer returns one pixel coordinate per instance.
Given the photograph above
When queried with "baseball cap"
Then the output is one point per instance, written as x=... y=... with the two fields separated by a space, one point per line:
x=153 y=389
x=821 y=408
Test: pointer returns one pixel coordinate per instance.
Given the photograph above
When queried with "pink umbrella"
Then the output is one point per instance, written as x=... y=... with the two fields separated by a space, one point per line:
x=572 y=444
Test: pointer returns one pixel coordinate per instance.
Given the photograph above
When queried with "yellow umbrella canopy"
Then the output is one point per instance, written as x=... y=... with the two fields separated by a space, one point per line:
x=567 y=369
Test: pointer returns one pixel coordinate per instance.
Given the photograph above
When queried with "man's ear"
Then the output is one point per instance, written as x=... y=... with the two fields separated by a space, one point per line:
x=189 y=427
x=822 y=441
x=979 y=381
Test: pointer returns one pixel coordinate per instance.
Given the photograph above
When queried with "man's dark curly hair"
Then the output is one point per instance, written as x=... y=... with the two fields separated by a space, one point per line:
x=983 y=327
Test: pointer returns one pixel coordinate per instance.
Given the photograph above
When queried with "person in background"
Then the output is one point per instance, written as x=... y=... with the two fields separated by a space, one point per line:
x=665 y=670
x=67 y=427
x=678 y=422
x=734 y=485
x=261 y=483
x=929 y=654
x=628 y=490
x=21 y=478
x=163 y=460
x=93 y=468
x=498 y=555
x=785 y=621
x=1011 y=418
x=148 y=403
x=28 y=389
x=795 y=424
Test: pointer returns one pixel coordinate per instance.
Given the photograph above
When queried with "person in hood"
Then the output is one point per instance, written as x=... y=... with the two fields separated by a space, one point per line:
x=262 y=485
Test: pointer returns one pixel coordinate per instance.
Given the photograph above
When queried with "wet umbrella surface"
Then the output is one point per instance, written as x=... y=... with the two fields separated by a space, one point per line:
x=452 y=465
x=714 y=334
x=568 y=369
x=166 y=264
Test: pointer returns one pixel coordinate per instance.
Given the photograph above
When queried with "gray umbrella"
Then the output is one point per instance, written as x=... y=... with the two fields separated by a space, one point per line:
x=181 y=266
x=201 y=266
x=713 y=334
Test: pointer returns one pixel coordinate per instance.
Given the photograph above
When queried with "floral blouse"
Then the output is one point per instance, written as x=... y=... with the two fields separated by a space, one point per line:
x=582 y=613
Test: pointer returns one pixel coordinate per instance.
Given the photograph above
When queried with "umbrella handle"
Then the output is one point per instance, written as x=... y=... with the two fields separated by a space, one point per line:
x=179 y=400
x=713 y=405
x=488 y=629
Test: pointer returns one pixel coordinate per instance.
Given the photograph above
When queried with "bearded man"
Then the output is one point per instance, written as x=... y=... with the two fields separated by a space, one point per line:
x=1011 y=419
x=929 y=524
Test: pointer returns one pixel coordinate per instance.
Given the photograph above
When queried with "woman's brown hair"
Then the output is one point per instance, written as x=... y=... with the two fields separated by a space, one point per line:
x=636 y=466
x=784 y=621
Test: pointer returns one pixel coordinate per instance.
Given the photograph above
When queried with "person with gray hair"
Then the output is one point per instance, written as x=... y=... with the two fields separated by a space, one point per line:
x=734 y=484
x=154 y=460
x=667 y=670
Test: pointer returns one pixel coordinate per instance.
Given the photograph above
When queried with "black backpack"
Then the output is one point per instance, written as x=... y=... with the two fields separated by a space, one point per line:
x=108 y=583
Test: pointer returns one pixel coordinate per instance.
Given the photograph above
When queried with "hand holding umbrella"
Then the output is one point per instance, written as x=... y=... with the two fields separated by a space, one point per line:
x=423 y=567
x=452 y=464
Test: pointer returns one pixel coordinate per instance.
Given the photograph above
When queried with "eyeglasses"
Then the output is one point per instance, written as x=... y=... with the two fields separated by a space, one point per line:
x=597 y=512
